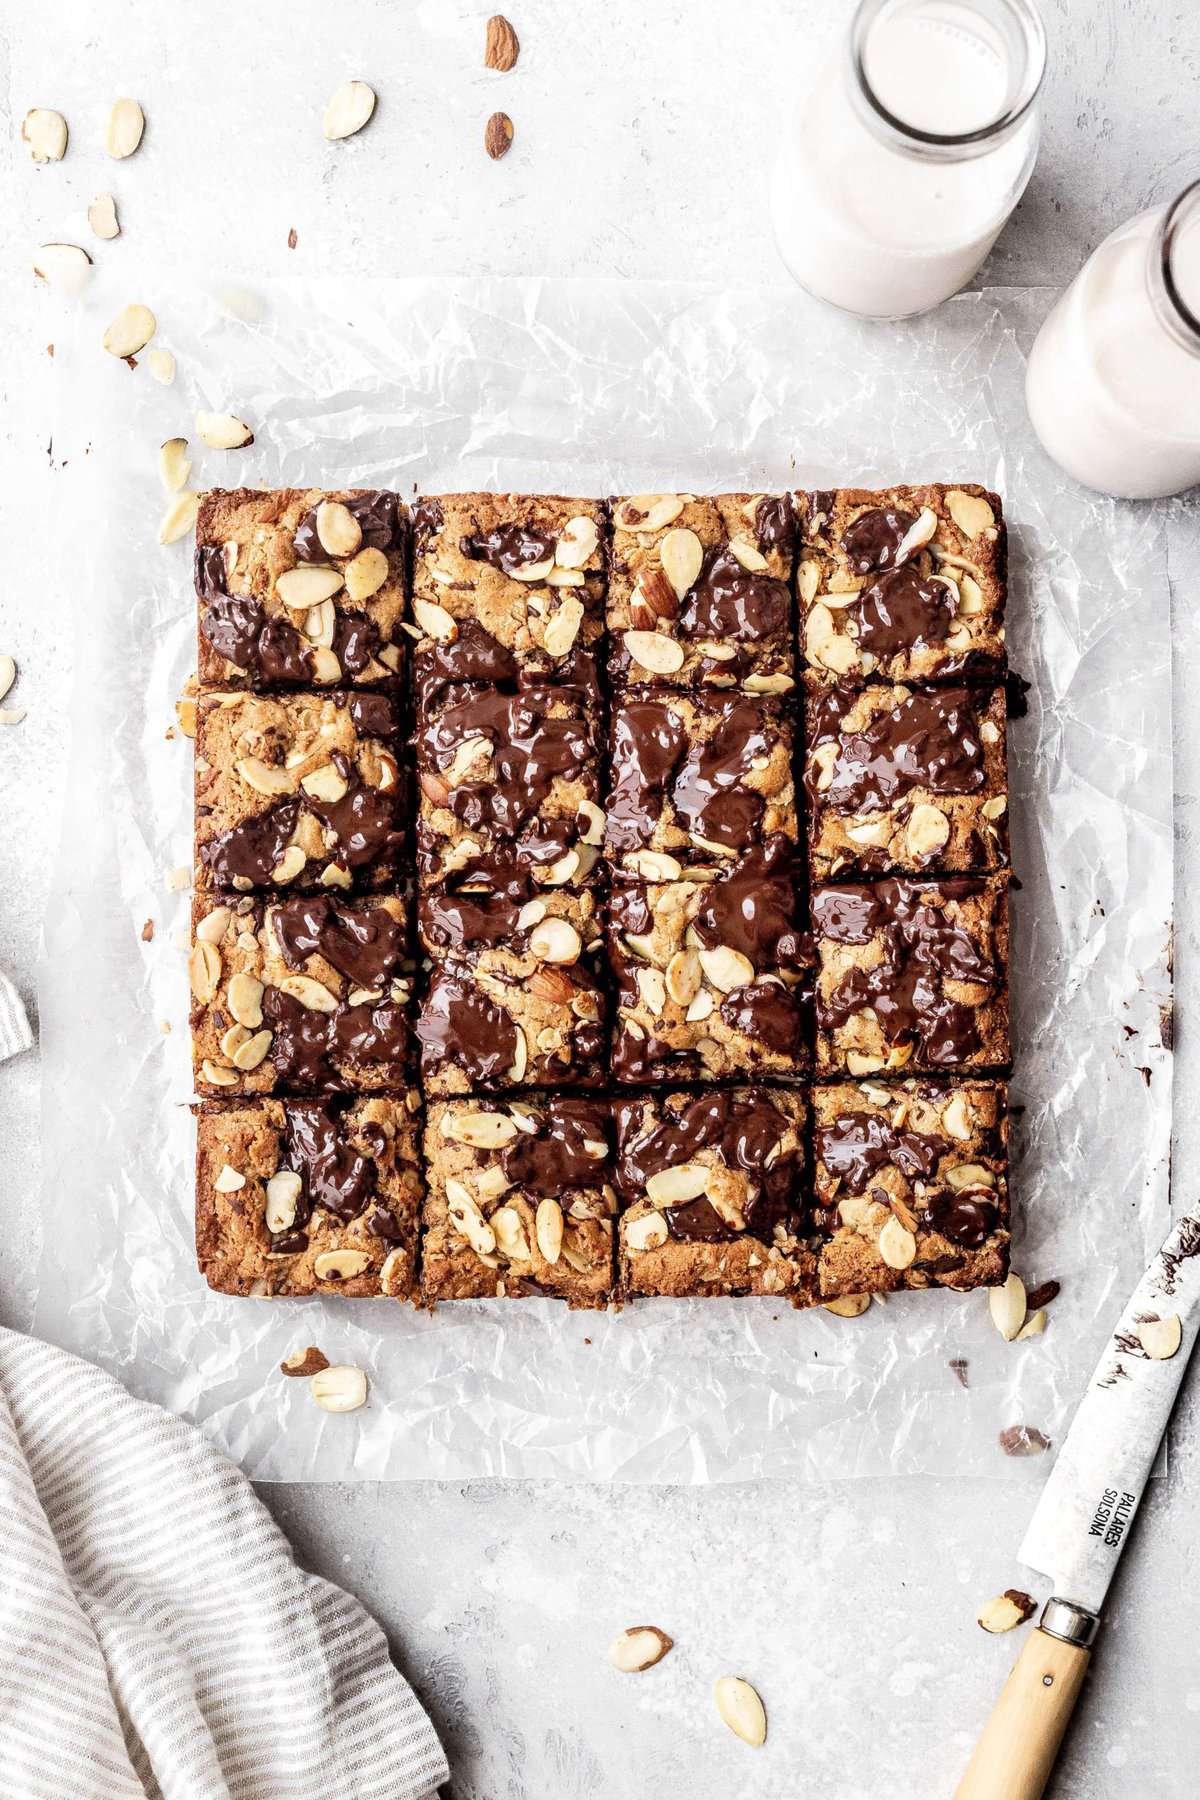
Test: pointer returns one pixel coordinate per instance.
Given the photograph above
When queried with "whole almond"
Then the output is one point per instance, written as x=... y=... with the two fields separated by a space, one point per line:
x=498 y=135
x=502 y=47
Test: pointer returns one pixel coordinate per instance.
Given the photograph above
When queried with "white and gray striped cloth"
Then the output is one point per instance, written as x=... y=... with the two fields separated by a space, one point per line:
x=15 y=1034
x=156 y=1635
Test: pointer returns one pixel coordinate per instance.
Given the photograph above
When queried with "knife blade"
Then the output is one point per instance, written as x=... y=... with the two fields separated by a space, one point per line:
x=1081 y=1523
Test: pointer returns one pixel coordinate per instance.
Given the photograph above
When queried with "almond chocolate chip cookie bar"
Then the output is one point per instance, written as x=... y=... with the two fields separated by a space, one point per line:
x=695 y=782
x=510 y=1018
x=904 y=584
x=308 y=1196
x=911 y=1185
x=508 y=590
x=520 y=1200
x=710 y=1189
x=555 y=925
x=713 y=979
x=296 y=790
x=912 y=975
x=699 y=592
x=904 y=780
x=299 y=588
x=307 y=995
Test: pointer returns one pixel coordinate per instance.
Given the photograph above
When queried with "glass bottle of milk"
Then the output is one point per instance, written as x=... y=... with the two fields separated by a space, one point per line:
x=914 y=144
x=1113 y=384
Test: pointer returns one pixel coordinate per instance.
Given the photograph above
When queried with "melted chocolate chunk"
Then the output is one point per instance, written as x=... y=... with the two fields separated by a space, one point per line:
x=555 y=1156
x=965 y=1219
x=857 y=1145
x=509 y=548
x=356 y=639
x=903 y=610
x=446 y=673
x=775 y=523
x=728 y=601
x=333 y=1174
x=769 y=1013
x=365 y=944
x=363 y=821
x=427 y=520
x=922 y=949
x=210 y=571
x=251 y=850
x=931 y=741
x=872 y=540
x=753 y=908
x=698 y=1221
x=654 y=759
x=378 y=519
x=745 y=1130
x=306 y=1044
x=530 y=752
x=240 y=630
x=459 y=1025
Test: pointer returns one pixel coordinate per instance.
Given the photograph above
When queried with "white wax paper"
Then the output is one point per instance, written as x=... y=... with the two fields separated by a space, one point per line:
x=601 y=388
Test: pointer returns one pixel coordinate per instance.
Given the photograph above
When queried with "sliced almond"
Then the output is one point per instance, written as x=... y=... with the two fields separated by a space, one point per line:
x=482 y=1130
x=652 y=990
x=307 y=585
x=549 y=1227
x=509 y=1230
x=1034 y=1326
x=123 y=133
x=647 y=1232
x=897 y=1245
x=1161 y=1338
x=555 y=941
x=563 y=629
x=340 y=1265
x=161 y=365
x=654 y=865
x=700 y=1007
x=252 y=1052
x=468 y=1221
x=726 y=969
x=338 y=531
x=970 y=513
x=45 y=131
x=955 y=1120
x=808 y=580
x=848 y=1306
x=996 y=807
x=651 y=650
x=366 y=573
x=243 y=997
x=928 y=829
x=682 y=555
x=264 y=778
x=340 y=1388
x=292 y=862
x=325 y=783
x=311 y=994
x=283 y=1196
x=520 y=1059
x=919 y=533
x=741 y=1709
x=648 y=512
x=673 y=1187
x=65 y=267
x=769 y=684
x=683 y=977
x=577 y=543
x=102 y=216
x=638 y=1648
x=970 y=596
x=349 y=109
x=223 y=431
x=435 y=621
x=204 y=971
x=749 y=555
x=970 y=1175
x=1007 y=1307
x=1001 y=1614
x=174 y=464
x=229 y=1180
x=130 y=331
x=213 y=925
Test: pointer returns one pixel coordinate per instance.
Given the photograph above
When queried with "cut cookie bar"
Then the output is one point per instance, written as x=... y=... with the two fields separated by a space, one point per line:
x=711 y=1194
x=714 y=979
x=699 y=592
x=911 y=1185
x=307 y=995
x=308 y=1196
x=520 y=1200
x=299 y=588
x=906 y=781
x=296 y=790
x=509 y=785
x=912 y=975
x=508 y=1019
x=508 y=590
x=903 y=584
x=695 y=782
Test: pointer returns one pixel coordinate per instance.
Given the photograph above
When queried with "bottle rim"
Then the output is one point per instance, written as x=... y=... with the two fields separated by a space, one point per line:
x=950 y=145
x=1181 y=319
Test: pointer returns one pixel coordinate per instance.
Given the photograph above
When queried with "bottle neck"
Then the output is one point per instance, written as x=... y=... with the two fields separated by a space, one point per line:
x=945 y=80
x=1172 y=294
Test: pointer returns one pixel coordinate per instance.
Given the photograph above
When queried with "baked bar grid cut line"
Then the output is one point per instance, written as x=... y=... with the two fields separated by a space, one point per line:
x=601 y=898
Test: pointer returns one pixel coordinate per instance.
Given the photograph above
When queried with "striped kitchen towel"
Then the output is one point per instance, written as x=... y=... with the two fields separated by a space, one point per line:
x=15 y=1034
x=156 y=1635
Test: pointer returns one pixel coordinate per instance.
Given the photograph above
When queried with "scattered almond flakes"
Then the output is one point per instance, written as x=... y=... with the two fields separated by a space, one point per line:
x=638 y=1648
x=304 y=1362
x=148 y=932
x=180 y=879
x=1006 y=1611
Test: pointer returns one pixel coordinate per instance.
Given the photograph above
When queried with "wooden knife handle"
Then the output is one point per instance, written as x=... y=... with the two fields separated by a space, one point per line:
x=1017 y=1748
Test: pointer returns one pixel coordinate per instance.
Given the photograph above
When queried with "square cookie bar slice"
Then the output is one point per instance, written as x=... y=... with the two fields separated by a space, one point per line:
x=555 y=925
x=711 y=1190
x=307 y=995
x=714 y=979
x=696 y=782
x=297 y=790
x=901 y=780
x=308 y=1196
x=904 y=584
x=510 y=1018
x=509 y=785
x=520 y=1200
x=299 y=587
x=911 y=1185
x=912 y=975
x=508 y=589
x=699 y=592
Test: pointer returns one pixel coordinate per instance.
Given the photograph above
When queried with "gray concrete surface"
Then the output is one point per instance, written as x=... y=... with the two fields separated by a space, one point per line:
x=643 y=138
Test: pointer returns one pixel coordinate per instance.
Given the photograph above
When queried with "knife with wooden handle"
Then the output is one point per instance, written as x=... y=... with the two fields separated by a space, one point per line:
x=1083 y=1517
